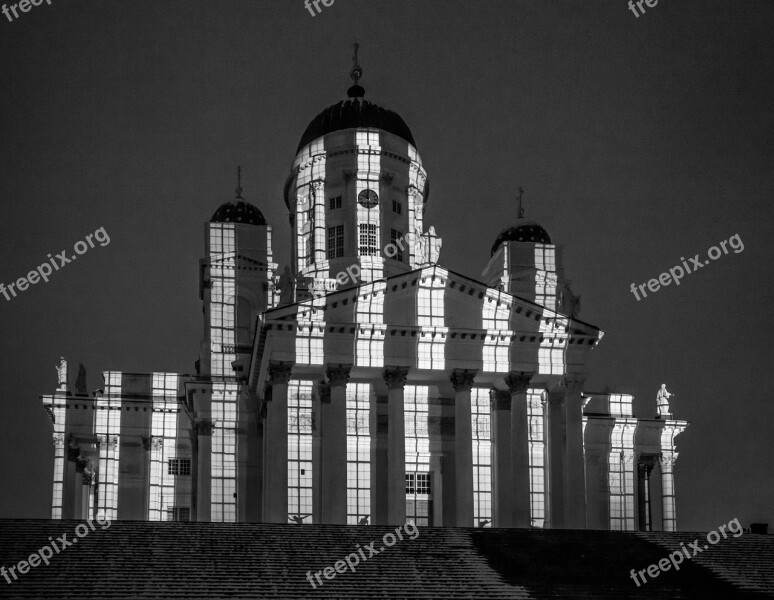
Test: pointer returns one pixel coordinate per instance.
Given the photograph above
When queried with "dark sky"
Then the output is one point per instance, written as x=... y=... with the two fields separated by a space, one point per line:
x=638 y=141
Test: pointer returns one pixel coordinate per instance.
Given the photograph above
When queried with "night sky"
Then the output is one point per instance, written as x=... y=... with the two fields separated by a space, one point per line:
x=637 y=140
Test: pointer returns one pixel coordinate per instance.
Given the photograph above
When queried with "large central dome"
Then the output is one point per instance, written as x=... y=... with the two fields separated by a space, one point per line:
x=355 y=112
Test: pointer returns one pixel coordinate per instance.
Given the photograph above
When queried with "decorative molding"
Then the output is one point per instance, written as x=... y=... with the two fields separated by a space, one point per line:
x=555 y=395
x=462 y=379
x=395 y=377
x=518 y=381
x=279 y=372
x=109 y=441
x=89 y=476
x=203 y=427
x=58 y=440
x=500 y=399
x=668 y=460
x=573 y=381
x=157 y=443
x=338 y=374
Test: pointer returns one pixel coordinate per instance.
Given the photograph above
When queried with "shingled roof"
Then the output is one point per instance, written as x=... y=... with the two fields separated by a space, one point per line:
x=139 y=559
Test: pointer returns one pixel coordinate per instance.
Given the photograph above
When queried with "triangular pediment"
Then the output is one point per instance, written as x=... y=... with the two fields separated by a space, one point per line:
x=463 y=305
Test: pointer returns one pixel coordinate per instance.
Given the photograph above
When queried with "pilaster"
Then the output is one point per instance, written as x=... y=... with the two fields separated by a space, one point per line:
x=333 y=477
x=395 y=378
x=518 y=384
x=275 y=477
x=462 y=381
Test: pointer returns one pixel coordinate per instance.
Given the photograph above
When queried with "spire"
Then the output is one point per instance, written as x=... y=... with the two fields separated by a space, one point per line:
x=356 y=91
x=239 y=183
x=521 y=208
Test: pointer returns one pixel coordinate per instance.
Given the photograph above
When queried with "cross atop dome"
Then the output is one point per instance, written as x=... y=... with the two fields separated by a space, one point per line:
x=356 y=91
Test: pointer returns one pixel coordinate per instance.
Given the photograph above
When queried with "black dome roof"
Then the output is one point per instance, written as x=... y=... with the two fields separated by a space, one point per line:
x=522 y=231
x=238 y=211
x=355 y=112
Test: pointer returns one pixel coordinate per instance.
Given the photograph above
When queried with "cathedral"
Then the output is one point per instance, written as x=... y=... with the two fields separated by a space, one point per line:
x=365 y=383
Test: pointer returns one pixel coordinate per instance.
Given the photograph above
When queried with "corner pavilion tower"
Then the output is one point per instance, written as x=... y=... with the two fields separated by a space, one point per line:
x=367 y=383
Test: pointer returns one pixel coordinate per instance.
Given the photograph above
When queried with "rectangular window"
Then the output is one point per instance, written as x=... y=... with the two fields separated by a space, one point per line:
x=334 y=203
x=358 y=398
x=397 y=207
x=537 y=473
x=395 y=236
x=179 y=466
x=367 y=245
x=336 y=241
x=419 y=499
x=480 y=415
x=300 y=425
x=179 y=513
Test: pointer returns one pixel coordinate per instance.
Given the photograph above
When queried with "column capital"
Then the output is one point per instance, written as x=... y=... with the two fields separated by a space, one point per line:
x=500 y=399
x=462 y=379
x=573 y=382
x=338 y=374
x=202 y=427
x=668 y=459
x=395 y=377
x=518 y=381
x=318 y=184
x=279 y=372
x=555 y=395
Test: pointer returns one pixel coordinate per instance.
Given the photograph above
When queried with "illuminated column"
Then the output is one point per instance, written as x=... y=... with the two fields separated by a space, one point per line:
x=555 y=428
x=668 y=510
x=318 y=231
x=462 y=380
x=518 y=382
x=504 y=515
x=333 y=477
x=275 y=486
x=574 y=468
x=203 y=431
x=395 y=378
x=597 y=516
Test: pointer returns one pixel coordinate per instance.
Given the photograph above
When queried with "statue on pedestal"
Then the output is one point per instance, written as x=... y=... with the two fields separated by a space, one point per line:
x=61 y=372
x=662 y=400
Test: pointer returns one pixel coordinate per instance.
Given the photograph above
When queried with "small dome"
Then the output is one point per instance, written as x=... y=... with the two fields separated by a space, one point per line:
x=238 y=211
x=522 y=231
